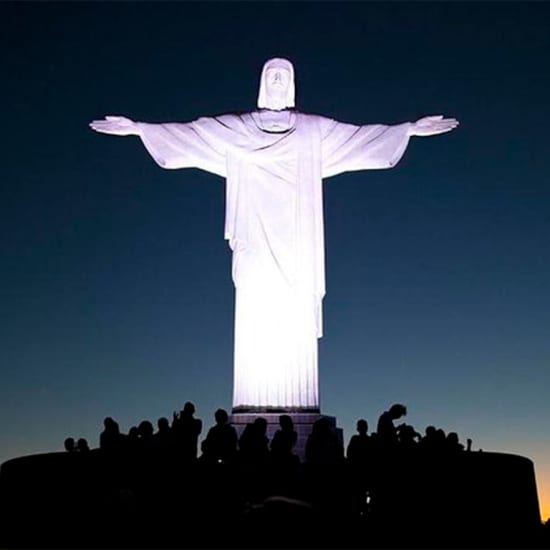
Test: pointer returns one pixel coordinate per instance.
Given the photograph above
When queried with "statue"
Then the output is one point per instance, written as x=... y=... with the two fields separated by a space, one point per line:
x=274 y=160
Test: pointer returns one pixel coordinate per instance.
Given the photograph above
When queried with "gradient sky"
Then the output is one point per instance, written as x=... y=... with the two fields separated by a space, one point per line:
x=116 y=295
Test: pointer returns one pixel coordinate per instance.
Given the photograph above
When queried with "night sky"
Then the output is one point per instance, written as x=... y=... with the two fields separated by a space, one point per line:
x=115 y=282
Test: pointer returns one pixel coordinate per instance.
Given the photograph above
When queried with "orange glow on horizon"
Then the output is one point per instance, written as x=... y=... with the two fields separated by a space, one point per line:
x=544 y=505
x=543 y=491
x=542 y=474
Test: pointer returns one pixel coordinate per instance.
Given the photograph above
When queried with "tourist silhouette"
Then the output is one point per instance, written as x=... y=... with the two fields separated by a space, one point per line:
x=254 y=443
x=359 y=448
x=110 y=439
x=82 y=445
x=254 y=457
x=163 y=437
x=387 y=434
x=324 y=470
x=186 y=430
x=360 y=455
x=286 y=467
x=220 y=444
x=429 y=442
x=322 y=445
x=452 y=443
x=284 y=439
x=146 y=432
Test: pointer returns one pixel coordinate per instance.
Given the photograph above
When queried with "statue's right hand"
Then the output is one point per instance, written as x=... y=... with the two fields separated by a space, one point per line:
x=115 y=125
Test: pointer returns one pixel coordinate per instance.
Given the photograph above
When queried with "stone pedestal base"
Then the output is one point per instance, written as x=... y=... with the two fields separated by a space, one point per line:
x=303 y=424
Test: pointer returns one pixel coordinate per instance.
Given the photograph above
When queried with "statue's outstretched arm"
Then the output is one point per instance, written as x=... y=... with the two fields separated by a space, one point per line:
x=175 y=144
x=432 y=125
x=116 y=125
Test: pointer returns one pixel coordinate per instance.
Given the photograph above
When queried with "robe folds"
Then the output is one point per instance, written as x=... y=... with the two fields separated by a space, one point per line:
x=274 y=225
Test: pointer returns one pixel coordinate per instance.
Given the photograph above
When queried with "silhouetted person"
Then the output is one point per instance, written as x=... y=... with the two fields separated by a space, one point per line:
x=387 y=435
x=360 y=445
x=285 y=439
x=323 y=446
x=324 y=469
x=440 y=439
x=186 y=430
x=146 y=431
x=428 y=443
x=110 y=438
x=253 y=443
x=69 y=444
x=361 y=459
x=220 y=444
x=452 y=443
x=82 y=445
x=385 y=484
x=253 y=457
x=286 y=467
x=163 y=437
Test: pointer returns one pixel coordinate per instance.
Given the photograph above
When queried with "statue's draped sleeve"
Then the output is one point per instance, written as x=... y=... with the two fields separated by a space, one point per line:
x=347 y=147
x=202 y=143
x=214 y=144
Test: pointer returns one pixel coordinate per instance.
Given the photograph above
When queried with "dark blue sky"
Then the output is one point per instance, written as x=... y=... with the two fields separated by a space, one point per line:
x=116 y=295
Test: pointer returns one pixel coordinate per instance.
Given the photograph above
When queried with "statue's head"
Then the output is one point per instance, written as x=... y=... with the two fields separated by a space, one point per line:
x=277 y=88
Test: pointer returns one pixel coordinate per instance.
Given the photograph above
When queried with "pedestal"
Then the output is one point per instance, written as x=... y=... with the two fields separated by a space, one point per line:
x=303 y=424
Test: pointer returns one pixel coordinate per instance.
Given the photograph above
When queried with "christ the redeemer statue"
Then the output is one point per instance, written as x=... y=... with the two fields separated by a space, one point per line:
x=274 y=160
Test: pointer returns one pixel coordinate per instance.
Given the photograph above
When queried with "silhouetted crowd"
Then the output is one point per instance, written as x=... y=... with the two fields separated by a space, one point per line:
x=155 y=485
x=223 y=445
x=267 y=468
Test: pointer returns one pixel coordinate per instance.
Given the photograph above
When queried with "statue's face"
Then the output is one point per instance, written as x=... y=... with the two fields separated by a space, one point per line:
x=277 y=80
x=276 y=85
x=278 y=77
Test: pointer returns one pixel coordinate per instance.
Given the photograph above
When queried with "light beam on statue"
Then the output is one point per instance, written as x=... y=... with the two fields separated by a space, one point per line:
x=274 y=160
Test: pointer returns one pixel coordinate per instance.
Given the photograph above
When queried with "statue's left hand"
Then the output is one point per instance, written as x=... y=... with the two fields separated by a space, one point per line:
x=116 y=125
x=432 y=125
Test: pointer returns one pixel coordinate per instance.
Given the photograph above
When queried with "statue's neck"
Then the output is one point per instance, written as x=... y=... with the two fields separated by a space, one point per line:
x=276 y=121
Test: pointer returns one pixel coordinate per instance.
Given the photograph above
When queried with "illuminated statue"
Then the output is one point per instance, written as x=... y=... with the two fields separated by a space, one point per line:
x=274 y=160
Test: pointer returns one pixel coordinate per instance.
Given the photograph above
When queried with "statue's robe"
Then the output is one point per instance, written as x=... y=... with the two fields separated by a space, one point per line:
x=274 y=225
